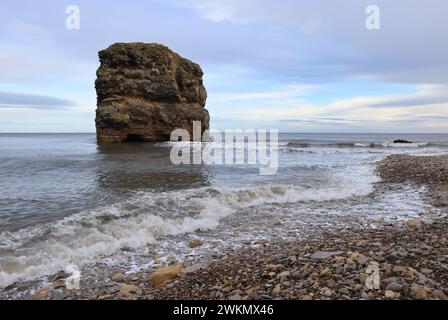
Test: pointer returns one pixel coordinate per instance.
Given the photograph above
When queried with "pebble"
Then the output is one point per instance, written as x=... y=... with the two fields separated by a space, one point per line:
x=324 y=272
x=344 y=291
x=235 y=297
x=362 y=260
x=161 y=276
x=284 y=274
x=395 y=287
x=277 y=290
x=426 y=271
x=195 y=244
x=327 y=292
x=325 y=254
x=127 y=289
x=438 y=294
x=118 y=277
x=419 y=292
x=414 y=223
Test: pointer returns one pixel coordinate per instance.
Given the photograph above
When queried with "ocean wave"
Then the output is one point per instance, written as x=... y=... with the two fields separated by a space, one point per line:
x=294 y=144
x=84 y=237
x=224 y=146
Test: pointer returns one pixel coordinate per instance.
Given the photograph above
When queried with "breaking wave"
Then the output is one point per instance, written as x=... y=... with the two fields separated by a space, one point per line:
x=295 y=144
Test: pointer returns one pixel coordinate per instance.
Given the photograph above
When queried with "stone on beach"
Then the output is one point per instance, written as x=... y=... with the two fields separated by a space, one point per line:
x=262 y=242
x=40 y=294
x=127 y=289
x=325 y=254
x=118 y=277
x=414 y=223
x=277 y=290
x=164 y=275
x=195 y=244
x=419 y=292
x=394 y=287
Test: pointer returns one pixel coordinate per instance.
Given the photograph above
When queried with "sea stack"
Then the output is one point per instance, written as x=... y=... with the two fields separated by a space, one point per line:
x=145 y=91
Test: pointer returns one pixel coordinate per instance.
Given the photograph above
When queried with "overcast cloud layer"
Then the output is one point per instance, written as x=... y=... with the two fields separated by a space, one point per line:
x=307 y=66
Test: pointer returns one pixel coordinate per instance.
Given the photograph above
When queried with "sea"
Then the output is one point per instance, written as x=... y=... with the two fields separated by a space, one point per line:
x=65 y=200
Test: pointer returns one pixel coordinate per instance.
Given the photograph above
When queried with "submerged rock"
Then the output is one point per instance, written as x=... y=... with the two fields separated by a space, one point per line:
x=145 y=91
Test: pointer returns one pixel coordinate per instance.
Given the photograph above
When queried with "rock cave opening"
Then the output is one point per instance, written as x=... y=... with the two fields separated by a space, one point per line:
x=134 y=137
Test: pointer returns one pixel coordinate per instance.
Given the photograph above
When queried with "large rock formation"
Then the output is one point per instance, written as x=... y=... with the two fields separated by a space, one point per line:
x=145 y=91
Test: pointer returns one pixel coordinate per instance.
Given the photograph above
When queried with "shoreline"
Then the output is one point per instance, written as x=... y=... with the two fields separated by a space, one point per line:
x=411 y=259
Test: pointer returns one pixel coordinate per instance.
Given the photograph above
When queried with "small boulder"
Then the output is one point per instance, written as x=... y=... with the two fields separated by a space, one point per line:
x=127 y=289
x=262 y=242
x=118 y=277
x=395 y=287
x=40 y=294
x=235 y=297
x=389 y=294
x=325 y=254
x=277 y=290
x=164 y=275
x=195 y=244
x=414 y=223
x=419 y=292
x=362 y=259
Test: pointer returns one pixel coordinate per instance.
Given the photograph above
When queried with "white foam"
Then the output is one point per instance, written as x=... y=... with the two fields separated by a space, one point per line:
x=241 y=145
x=404 y=145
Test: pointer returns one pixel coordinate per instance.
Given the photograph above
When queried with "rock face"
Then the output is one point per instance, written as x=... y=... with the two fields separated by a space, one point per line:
x=145 y=91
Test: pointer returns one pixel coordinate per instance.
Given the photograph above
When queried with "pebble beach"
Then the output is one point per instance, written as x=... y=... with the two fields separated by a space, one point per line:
x=410 y=259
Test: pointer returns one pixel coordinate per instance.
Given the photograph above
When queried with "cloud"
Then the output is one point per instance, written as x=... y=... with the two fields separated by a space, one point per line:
x=260 y=12
x=318 y=121
x=426 y=95
x=12 y=100
x=222 y=11
x=321 y=40
x=286 y=92
x=425 y=110
x=264 y=60
x=20 y=28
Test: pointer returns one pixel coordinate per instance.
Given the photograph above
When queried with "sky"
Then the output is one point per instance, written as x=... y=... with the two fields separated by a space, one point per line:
x=292 y=65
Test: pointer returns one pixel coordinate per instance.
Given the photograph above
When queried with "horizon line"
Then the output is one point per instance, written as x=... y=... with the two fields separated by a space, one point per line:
x=260 y=128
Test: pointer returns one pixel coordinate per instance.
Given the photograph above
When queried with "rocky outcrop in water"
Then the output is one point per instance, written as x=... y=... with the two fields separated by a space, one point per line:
x=145 y=91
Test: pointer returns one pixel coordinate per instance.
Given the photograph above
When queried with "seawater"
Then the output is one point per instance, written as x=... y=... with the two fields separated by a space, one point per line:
x=64 y=199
